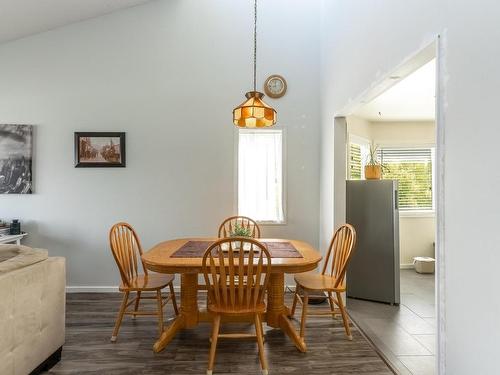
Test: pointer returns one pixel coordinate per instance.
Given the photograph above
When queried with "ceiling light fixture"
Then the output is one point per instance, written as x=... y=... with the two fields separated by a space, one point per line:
x=253 y=112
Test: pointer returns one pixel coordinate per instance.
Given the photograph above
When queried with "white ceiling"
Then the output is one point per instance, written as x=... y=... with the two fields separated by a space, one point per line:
x=20 y=18
x=410 y=99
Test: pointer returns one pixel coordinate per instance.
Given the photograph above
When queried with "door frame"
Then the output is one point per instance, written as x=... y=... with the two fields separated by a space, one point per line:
x=433 y=49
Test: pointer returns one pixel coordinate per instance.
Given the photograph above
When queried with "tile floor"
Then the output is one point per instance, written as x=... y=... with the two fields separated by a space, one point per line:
x=405 y=334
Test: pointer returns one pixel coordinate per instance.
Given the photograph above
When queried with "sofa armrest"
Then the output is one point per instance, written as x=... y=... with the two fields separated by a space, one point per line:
x=32 y=315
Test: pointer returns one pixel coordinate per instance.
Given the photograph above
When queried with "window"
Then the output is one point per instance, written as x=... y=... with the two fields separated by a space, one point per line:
x=355 y=162
x=359 y=150
x=413 y=168
x=260 y=175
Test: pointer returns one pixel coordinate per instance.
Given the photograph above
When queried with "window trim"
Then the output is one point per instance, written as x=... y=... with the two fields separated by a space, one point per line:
x=284 y=200
x=417 y=213
x=356 y=139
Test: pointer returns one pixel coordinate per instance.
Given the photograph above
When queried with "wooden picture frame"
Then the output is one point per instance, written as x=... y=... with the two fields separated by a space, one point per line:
x=100 y=150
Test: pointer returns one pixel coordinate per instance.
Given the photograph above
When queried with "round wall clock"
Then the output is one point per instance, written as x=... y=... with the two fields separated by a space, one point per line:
x=275 y=86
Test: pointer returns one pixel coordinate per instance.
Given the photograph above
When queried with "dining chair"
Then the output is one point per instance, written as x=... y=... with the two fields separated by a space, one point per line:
x=229 y=225
x=331 y=280
x=127 y=250
x=226 y=264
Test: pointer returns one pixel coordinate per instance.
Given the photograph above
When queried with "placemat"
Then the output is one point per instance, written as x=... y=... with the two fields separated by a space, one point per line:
x=196 y=249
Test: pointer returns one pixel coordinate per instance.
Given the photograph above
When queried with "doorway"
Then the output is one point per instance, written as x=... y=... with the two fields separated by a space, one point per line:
x=396 y=122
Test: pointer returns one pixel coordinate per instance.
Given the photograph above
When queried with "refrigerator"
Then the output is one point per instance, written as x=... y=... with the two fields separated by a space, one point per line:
x=373 y=271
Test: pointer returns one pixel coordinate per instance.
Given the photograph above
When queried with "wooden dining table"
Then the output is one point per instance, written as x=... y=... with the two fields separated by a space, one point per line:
x=164 y=258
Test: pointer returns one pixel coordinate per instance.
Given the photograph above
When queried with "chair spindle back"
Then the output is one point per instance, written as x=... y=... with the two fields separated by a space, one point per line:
x=341 y=246
x=236 y=272
x=228 y=226
x=127 y=251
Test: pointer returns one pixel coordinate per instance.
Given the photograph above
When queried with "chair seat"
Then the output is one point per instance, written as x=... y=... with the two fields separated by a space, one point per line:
x=235 y=310
x=315 y=281
x=152 y=281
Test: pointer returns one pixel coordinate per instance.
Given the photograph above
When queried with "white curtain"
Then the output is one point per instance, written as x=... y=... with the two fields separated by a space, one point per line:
x=260 y=177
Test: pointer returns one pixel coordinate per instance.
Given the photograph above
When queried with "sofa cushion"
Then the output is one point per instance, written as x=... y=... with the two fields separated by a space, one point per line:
x=13 y=257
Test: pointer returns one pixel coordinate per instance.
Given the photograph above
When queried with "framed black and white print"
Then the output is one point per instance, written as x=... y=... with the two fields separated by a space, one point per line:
x=99 y=149
x=16 y=154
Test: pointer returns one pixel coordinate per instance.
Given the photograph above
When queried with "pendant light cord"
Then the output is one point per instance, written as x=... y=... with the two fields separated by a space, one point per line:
x=255 y=47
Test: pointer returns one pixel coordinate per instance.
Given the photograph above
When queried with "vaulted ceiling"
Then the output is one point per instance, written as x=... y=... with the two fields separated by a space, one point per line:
x=20 y=18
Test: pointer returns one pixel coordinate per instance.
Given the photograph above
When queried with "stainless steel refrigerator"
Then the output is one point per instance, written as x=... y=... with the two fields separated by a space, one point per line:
x=373 y=272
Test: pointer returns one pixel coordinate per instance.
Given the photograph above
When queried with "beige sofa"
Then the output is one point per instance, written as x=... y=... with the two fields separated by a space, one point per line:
x=32 y=309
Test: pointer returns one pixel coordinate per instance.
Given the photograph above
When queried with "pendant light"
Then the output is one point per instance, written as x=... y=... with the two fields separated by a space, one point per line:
x=253 y=112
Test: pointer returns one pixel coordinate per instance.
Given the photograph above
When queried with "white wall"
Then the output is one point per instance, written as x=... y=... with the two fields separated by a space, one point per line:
x=168 y=73
x=364 y=40
x=359 y=127
x=393 y=133
x=407 y=133
x=417 y=232
x=417 y=237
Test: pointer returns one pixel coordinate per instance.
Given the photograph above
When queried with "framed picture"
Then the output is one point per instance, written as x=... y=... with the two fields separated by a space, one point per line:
x=99 y=149
x=16 y=153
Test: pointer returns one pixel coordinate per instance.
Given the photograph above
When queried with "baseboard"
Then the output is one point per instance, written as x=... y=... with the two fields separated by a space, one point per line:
x=114 y=289
x=409 y=266
x=100 y=289
x=92 y=289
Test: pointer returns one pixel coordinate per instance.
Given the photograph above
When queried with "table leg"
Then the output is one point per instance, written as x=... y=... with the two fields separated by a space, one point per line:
x=275 y=299
x=277 y=312
x=189 y=314
x=189 y=299
x=169 y=333
x=287 y=327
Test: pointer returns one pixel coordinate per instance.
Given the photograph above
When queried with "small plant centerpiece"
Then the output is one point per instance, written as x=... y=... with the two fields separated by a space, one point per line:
x=240 y=231
x=373 y=167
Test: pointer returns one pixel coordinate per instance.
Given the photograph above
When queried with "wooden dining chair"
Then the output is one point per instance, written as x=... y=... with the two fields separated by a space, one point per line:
x=127 y=251
x=226 y=264
x=228 y=226
x=331 y=280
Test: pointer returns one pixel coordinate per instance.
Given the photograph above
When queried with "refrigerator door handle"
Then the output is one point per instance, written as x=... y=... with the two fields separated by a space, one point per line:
x=396 y=199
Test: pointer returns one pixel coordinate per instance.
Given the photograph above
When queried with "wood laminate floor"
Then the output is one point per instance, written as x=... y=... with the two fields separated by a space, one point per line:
x=90 y=318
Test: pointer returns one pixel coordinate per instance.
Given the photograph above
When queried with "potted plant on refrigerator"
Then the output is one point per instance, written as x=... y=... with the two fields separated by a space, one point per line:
x=373 y=167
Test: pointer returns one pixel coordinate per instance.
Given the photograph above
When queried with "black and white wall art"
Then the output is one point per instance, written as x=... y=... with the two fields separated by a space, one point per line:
x=16 y=155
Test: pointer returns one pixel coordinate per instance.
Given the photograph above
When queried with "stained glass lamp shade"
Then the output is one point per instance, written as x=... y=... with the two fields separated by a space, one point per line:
x=253 y=112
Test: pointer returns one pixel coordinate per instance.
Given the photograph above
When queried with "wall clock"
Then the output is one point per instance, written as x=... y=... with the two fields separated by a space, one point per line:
x=275 y=86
